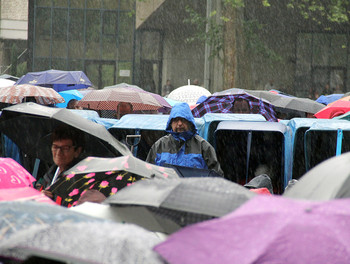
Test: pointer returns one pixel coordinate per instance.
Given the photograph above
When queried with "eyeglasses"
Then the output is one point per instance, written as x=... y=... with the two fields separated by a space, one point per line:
x=62 y=148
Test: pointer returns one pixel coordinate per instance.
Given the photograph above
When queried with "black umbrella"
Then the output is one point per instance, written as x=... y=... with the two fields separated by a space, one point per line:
x=107 y=175
x=181 y=201
x=328 y=180
x=30 y=126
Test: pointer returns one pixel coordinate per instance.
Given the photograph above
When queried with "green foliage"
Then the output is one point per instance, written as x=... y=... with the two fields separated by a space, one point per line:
x=335 y=11
x=214 y=35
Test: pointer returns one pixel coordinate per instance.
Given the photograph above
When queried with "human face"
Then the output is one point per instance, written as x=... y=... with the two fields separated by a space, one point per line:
x=63 y=153
x=124 y=109
x=241 y=107
x=180 y=124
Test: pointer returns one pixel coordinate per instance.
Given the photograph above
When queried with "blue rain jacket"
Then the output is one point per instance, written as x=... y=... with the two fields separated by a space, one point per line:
x=184 y=149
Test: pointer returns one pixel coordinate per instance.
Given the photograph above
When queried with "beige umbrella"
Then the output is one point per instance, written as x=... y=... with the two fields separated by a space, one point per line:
x=16 y=94
x=108 y=99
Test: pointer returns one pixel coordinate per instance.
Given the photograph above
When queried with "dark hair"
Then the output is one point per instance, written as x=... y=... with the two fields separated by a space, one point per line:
x=67 y=132
x=130 y=104
x=71 y=103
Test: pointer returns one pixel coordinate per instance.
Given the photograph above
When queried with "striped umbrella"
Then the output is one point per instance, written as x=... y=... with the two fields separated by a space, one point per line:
x=16 y=94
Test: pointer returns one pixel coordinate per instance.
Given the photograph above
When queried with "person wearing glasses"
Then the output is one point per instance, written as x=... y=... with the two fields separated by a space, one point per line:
x=66 y=148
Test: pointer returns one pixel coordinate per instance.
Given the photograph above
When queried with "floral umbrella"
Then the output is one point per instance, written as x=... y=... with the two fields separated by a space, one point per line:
x=107 y=175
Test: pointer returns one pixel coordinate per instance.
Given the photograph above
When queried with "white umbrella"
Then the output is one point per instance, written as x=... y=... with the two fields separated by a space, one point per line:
x=188 y=93
x=6 y=82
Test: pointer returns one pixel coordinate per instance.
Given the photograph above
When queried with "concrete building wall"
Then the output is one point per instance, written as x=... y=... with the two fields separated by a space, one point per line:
x=13 y=29
x=14 y=19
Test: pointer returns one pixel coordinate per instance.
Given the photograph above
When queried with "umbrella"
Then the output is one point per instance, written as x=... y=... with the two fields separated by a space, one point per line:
x=336 y=108
x=108 y=99
x=69 y=95
x=222 y=103
x=6 y=82
x=58 y=80
x=19 y=215
x=266 y=229
x=30 y=125
x=13 y=175
x=282 y=101
x=182 y=201
x=188 y=93
x=93 y=242
x=327 y=99
x=107 y=175
x=165 y=104
x=9 y=77
x=24 y=194
x=15 y=94
x=328 y=180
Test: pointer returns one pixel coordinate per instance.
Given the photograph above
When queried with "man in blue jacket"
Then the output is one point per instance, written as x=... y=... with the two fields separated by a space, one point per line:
x=183 y=146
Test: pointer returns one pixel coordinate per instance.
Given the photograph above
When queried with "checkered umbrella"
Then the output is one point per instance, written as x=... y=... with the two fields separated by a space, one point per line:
x=222 y=103
x=108 y=99
x=15 y=94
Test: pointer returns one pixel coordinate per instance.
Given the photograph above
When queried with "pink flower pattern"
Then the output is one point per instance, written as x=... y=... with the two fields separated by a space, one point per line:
x=74 y=192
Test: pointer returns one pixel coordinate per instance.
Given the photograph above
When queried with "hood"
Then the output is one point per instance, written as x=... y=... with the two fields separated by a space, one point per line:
x=260 y=181
x=182 y=110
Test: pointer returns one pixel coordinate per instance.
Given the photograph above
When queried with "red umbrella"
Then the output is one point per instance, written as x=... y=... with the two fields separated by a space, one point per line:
x=16 y=93
x=108 y=99
x=334 y=109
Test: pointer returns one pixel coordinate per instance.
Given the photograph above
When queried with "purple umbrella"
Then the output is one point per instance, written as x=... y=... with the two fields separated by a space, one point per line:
x=222 y=102
x=267 y=229
x=56 y=79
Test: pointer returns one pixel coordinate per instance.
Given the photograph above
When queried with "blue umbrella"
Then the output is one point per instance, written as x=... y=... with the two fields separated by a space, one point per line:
x=69 y=95
x=58 y=80
x=327 y=99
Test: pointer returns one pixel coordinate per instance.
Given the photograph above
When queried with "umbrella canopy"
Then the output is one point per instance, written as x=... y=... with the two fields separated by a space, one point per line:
x=16 y=94
x=108 y=99
x=24 y=194
x=98 y=242
x=336 y=108
x=166 y=107
x=182 y=201
x=69 y=95
x=5 y=82
x=266 y=229
x=19 y=215
x=222 y=103
x=13 y=175
x=328 y=180
x=281 y=101
x=58 y=80
x=327 y=99
x=30 y=125
x=107 y=175
x=9 y=77
x=188 y=93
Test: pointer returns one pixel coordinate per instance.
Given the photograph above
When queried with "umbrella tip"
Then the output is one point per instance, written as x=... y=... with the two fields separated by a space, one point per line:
x=189 y=82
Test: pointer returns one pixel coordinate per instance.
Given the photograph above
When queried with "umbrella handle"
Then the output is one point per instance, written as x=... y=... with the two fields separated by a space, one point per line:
x=135 y=142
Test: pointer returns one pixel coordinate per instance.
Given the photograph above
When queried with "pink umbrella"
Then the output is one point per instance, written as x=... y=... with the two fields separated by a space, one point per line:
x=24 y=194
x=13 y=175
